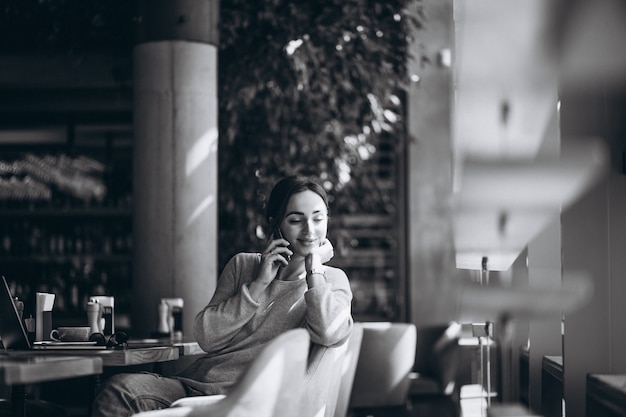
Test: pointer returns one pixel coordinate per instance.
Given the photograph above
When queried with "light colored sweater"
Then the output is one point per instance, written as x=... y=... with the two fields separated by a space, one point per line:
x=233 y=327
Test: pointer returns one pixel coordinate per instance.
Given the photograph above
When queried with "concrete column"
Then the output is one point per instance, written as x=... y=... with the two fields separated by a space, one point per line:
x=431 y=247
x=175 y=161
x=544 y=268
x=586 y=342
x=593 y=241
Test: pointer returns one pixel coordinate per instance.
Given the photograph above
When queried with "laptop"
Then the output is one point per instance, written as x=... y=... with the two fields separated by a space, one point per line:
x=13 y=334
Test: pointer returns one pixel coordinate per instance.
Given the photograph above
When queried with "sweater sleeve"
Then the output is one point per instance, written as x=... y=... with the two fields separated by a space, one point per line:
x=329 y=316
x=230 y=308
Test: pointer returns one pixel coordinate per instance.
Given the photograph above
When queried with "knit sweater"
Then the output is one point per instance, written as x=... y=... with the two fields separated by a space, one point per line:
x=233 y=327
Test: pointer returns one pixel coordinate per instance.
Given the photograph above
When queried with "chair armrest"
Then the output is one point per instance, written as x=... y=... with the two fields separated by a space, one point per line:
x=196 y=401
x=166 y=412
x=183 y=407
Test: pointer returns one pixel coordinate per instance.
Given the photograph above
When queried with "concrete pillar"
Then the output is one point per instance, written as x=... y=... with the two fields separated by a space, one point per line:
x=431 y=247
x=544 y=268
x=175 y=160
x=586 y=346
x=593 y=241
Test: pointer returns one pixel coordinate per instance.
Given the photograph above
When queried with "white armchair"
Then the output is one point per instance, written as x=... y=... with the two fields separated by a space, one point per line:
x=271 y=386
x=323 y=390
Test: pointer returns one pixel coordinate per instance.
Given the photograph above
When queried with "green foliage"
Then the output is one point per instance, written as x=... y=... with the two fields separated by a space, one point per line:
x=310 y=88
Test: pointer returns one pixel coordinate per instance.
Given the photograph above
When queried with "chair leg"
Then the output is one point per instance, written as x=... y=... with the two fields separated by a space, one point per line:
x=382 y=411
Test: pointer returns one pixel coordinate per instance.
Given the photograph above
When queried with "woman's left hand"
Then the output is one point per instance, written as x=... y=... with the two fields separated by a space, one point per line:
x=319 y=255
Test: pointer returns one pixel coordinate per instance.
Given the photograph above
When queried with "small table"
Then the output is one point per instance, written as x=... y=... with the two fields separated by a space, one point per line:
x=118 y=357
x=189 y=348
x=137 y=356
x=109 y=358
x=19 y=370
x=160 y=351
x=186 y=347
x=508 y=410
x=552 y=386
x=606 y=395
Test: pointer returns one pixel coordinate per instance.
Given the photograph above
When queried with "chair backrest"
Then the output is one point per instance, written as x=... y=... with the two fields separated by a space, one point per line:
x=385 y=362
x=437 y=354
x=271 y=386
x=329 y=376
x=349 y=370
x=425 y=355
x=273 y=383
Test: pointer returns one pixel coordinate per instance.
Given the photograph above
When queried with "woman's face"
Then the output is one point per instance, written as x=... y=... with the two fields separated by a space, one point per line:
x=305 y=223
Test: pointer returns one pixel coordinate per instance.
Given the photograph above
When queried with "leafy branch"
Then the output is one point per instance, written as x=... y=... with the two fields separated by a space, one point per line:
x=307 y=88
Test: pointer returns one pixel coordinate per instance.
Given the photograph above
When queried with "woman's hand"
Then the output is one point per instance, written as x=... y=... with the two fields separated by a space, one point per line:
x=319 y=256
x=275 y=255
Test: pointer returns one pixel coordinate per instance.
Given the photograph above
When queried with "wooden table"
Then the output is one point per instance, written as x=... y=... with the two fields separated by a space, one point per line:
x=119 y=357
x=137 y=356
x=28 y=369
x=186 y=347
x=162 y=351
x=606 y=395
x=17 y=371
x=508 y=410
x=188 y=351
x=110 y=359
x=189 y=348
x=552 y=386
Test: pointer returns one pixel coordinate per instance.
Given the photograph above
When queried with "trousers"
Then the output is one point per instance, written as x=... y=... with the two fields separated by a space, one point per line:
x=123 y=395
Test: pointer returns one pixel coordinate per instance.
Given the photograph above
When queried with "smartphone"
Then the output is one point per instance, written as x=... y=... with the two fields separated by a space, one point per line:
x=279 y=235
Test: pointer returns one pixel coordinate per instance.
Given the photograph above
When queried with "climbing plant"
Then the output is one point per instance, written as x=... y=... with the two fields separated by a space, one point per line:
x=310 y=88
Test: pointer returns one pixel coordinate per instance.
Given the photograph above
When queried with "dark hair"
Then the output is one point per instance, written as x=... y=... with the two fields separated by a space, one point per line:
x=282 y=192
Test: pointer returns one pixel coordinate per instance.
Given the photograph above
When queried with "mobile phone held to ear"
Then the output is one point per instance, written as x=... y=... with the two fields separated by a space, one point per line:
x=279 y=235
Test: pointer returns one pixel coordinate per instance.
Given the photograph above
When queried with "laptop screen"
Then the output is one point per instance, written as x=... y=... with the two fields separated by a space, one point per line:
x=12 y=331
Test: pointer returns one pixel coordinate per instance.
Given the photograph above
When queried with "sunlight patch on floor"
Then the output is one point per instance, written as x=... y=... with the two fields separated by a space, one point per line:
x=473 y=401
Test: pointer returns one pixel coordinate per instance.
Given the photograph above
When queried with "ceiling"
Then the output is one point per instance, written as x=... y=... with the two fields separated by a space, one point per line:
x=513 y=173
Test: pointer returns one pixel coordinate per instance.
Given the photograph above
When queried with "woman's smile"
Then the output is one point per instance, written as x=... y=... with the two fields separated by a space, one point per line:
x=309 y=242
x=306 y=221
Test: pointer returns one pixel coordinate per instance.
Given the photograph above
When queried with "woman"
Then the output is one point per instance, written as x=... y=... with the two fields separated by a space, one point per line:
x=258 y=296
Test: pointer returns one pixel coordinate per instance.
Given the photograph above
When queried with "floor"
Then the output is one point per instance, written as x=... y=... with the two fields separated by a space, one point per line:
x=473 y=401
x=474 y=404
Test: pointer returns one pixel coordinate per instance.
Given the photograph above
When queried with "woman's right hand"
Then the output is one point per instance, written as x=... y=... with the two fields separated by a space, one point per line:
x=275 y=255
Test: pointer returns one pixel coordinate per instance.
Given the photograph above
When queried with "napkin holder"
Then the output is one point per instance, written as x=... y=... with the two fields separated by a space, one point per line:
x=43 y=315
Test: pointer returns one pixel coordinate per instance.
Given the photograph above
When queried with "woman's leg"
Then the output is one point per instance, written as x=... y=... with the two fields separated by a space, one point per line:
x=123 y=395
